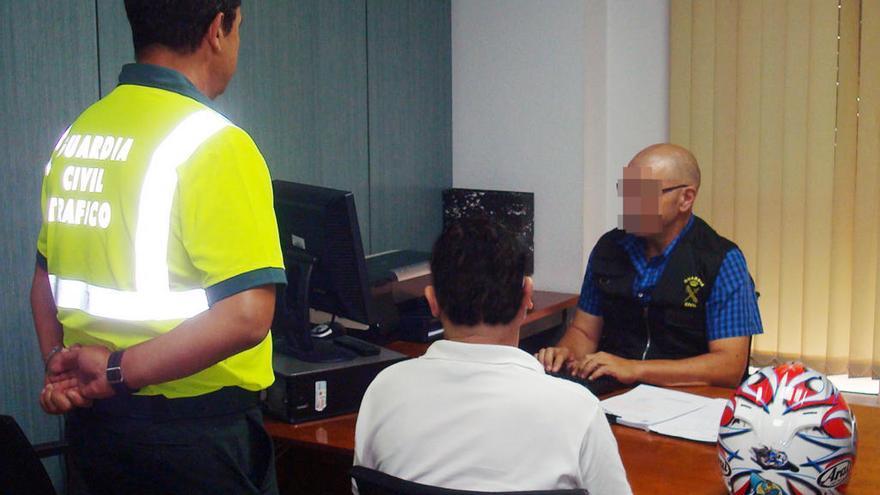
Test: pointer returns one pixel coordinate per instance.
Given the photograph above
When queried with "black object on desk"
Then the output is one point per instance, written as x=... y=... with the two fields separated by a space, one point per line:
x=600 y=386
x=417 y=324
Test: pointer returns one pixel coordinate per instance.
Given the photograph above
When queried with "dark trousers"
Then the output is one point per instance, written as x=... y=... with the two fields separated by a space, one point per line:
x=214 y=454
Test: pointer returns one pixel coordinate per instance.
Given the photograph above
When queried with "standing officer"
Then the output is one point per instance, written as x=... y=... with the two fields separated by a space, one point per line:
x=665 y=300
x=157 y=261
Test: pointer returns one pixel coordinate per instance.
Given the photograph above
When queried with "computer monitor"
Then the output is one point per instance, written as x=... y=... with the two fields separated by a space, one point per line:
x=326 y=270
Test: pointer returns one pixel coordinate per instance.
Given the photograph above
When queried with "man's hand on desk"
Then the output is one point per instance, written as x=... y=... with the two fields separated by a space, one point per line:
x=593 y=366
x=553 y=358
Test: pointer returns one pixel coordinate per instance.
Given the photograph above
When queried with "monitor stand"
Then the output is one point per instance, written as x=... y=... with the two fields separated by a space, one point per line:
x=291 y=326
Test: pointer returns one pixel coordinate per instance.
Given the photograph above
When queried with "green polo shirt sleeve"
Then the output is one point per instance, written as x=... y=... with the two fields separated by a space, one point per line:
x=227 y=219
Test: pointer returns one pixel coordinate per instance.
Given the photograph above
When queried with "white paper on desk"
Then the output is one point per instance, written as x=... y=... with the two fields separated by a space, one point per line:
x=646 y=405
x=700 y=425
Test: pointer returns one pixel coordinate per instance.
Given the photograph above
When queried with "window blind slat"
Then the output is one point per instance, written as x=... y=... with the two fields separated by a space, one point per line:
x=703 y=101
x=768 y=267
x=723 y=162
x=748 y=129
x=821 y=115
x=680 y=33
x=867 y=206
x=840 y=290
x=794 y=145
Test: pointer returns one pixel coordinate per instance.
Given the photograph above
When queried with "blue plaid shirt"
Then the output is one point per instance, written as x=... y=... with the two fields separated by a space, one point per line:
x=731 y=310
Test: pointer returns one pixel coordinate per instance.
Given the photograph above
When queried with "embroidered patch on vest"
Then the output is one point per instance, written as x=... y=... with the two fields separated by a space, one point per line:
x=692 y=286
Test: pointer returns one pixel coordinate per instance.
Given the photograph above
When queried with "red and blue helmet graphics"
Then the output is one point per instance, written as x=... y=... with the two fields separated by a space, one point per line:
x=787 y=431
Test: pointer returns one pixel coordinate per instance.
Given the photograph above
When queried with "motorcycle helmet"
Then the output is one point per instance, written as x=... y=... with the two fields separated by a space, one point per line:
x=787 y=431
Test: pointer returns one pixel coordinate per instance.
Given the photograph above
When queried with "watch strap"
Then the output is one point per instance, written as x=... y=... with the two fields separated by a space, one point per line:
x=115 y=376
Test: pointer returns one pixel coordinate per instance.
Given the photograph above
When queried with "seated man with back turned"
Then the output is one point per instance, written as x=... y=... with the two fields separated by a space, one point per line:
x=666 y=300
x=475 y=412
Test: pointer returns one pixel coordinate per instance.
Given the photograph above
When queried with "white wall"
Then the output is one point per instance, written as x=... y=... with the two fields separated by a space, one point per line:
x=595 y=207
x=638 y=85
x=539 y=103
x=517 y=116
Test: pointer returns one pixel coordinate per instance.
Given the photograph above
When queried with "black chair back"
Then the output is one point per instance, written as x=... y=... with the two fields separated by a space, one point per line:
x=372 y=482
x=21 y=471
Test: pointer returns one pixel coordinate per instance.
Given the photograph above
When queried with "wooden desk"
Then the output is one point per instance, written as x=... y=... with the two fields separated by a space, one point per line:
x=655 y=464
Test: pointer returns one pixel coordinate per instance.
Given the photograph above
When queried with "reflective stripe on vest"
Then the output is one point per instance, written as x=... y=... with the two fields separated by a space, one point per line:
x=127 y=305
x=152 y=298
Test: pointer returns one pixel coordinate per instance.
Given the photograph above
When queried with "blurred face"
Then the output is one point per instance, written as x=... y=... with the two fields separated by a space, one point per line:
x=650 y=202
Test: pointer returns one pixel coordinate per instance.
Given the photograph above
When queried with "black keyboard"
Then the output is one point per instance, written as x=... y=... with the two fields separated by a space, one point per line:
x=600 y=386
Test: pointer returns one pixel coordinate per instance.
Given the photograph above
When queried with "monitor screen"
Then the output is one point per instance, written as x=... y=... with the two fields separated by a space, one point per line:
x=320 y=224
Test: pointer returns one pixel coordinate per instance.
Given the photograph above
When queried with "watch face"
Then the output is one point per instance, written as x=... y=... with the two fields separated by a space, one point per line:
x=114 y=375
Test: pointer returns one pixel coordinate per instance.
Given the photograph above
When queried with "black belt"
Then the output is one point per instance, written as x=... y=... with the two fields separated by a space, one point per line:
x=227 y=400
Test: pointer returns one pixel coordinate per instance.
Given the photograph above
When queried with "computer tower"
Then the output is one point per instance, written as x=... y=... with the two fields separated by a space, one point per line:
x=308 y=391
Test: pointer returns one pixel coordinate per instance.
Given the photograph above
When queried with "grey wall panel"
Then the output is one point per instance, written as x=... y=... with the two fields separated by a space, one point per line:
x=114 y=42
x=409 y=54
x=300 y=90
x=48 y=67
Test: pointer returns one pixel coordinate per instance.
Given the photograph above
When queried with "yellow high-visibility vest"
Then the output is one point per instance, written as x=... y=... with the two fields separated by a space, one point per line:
x=154 y=207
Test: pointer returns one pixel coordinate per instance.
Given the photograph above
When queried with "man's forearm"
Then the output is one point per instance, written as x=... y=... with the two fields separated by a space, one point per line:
x=230 y=326
x=717 y=369
x=45 y=313
x=577 y=342
x=582 y=335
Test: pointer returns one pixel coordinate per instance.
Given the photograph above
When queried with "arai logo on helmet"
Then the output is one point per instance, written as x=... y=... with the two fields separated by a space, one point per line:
x=835 y=474
x=725 y=467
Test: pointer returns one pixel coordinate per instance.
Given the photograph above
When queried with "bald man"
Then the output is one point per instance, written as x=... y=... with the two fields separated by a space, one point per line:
x=665 y=299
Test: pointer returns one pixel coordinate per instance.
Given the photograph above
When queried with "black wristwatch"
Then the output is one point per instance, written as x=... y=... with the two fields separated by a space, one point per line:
x=115 y=376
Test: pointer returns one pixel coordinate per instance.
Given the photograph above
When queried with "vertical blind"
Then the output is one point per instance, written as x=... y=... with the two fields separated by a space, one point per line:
x=779 y=101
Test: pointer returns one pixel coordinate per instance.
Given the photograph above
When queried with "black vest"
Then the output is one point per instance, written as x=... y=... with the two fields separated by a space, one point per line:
x=673 y=324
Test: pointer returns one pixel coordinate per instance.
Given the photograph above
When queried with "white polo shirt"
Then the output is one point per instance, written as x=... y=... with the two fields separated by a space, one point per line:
x=486 y=417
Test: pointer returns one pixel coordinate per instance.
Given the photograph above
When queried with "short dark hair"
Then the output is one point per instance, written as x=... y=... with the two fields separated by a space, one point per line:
x=478 y=267
x=177 y=24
